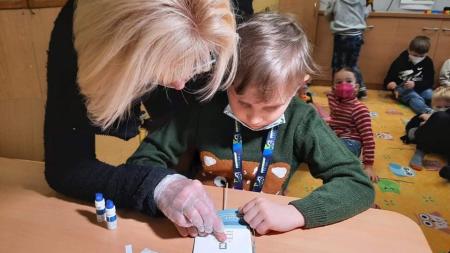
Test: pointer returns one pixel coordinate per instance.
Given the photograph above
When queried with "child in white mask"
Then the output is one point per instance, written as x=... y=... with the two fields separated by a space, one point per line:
x=444 y=76
x=411 y=76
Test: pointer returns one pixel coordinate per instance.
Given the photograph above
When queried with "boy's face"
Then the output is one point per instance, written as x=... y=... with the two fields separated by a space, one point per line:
x=441 y=103
x=415 y=54
x=254 y=111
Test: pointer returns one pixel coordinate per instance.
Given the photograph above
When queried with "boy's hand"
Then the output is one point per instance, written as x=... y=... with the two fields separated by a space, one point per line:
x=424 y=117
x=391 y=86
x=371 y=173
x=396 y=94
x=410 y=84
x=264 y=215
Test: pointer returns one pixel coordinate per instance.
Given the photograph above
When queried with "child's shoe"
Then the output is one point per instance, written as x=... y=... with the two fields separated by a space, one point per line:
x=416 y=162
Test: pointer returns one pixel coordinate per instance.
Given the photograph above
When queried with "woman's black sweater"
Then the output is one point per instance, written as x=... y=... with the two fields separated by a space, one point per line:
x=71 y=166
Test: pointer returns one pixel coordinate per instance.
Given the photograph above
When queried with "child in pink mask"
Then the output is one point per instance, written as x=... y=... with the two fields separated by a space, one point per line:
x=350 y=119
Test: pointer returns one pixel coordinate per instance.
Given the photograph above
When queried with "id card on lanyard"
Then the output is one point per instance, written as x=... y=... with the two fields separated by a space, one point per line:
x=263 y=165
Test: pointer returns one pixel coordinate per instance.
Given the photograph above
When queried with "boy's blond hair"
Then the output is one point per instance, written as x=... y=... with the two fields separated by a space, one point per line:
x=273 y=51
x=127 y=47
x=442 y=92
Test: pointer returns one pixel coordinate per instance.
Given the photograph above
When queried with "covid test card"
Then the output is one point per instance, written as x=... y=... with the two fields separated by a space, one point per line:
x=239 y=237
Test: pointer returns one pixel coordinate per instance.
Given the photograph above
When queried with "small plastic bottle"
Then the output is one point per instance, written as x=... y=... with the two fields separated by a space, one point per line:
x=100 y=207
x=111 y=217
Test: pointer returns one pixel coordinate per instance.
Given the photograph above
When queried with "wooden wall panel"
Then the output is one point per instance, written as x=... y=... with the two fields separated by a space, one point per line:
x=22 y=128
x=379 y=50
x=46 y=3
x=41 y=28
x=18 y=69
x=22 y=4
x=323 y=49
x=24 y=41
x=12 y=4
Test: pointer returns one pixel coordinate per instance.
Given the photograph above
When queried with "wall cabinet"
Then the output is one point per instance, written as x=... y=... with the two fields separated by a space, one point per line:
x=386 y=37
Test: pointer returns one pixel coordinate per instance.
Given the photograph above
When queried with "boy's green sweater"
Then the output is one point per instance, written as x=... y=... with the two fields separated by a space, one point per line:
x=304 y=137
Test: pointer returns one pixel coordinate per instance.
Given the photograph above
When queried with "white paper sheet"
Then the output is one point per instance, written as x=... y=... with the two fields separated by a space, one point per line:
x=239 y=240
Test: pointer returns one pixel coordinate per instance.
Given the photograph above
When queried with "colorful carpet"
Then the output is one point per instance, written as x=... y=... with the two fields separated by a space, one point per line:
x=423 y=197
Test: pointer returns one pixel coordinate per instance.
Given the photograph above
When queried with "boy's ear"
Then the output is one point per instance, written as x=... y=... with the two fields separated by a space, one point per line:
x=306 y=78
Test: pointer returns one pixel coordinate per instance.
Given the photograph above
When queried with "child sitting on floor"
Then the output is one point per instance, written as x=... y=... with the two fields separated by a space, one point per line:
x=444 y=75
x=441 y=104
x=255 y=135
x=411 y=76
x=350 y=118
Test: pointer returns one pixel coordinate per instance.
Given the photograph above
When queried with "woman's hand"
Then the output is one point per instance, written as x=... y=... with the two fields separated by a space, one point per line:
x=186 y=203
x=264 y=215
x=424 y=117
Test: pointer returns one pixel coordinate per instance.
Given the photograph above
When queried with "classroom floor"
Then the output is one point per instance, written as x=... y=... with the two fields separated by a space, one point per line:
x=423 y=195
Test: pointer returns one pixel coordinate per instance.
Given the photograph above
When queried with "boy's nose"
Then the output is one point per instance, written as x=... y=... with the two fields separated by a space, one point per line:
x=254 y=120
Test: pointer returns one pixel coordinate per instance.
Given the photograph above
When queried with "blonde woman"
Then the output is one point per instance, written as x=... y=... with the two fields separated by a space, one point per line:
x=104 y=56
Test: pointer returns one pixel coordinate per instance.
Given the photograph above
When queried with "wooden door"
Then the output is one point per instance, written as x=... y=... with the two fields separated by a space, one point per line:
x=442 y=52
x=323 y=50
x=379 y=50
x=306 y=12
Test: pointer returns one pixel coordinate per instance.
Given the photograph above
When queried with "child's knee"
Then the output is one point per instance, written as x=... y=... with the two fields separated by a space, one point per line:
x=427 y=95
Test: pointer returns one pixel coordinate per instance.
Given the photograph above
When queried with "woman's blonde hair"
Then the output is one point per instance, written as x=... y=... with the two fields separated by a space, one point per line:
x=273 y=51
x=127 y=47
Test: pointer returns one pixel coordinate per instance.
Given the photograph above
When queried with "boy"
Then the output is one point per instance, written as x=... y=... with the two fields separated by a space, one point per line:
x=350 y=119
x=348 y=22
x=411 y=76
x=257 y=134
x=444 y=75
x=441 y=104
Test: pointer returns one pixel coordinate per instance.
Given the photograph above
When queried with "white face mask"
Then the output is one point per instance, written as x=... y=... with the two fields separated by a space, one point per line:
x=416 y=59
x=279 y=121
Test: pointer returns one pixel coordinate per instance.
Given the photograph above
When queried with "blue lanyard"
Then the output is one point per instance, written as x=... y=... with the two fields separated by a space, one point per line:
x=263 y=165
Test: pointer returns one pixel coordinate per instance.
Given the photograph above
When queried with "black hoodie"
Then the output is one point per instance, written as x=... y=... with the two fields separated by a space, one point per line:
x=434 y=135
x=402 y=69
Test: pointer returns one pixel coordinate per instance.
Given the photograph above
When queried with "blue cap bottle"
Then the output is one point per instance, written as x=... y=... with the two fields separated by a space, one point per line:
x=100 y=207
x=111 y=217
